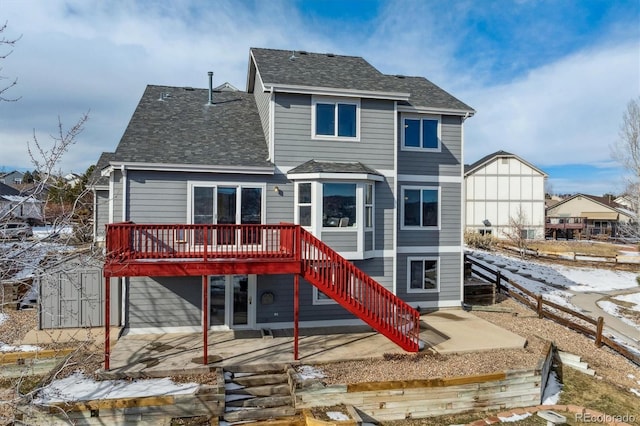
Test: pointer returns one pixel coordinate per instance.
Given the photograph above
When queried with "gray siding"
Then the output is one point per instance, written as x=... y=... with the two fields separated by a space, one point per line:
x=450 y=278
x=384 y=214
x=164 y=302
x=448 y=162
x=117 y=196
x=294 y=145
x=262 y=101
x=341 y=241
x=162 y=197
x=282 y=309
x=379 y=268
x=101 y=212
x=450 y=219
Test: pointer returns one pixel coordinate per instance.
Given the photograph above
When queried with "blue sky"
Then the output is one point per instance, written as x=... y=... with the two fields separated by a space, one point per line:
x=549 y=79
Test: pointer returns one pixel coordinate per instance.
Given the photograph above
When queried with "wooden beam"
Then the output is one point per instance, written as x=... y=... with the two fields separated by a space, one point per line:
x=194 y=268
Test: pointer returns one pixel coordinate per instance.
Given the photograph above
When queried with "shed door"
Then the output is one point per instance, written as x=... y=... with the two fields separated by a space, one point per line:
x=75 y=299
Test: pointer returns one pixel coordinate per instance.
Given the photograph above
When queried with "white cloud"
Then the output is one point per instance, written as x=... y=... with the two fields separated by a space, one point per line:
x=567 y=112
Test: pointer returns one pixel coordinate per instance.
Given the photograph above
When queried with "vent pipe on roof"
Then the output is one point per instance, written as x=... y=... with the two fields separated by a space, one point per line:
x=210 y=88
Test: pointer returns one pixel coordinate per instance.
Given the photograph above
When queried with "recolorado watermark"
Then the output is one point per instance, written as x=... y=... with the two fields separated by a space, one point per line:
x=604 y=418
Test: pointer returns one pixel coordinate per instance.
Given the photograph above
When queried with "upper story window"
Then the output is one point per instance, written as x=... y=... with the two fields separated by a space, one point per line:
x=421 y=133
x=335 y=118
x=421 y=207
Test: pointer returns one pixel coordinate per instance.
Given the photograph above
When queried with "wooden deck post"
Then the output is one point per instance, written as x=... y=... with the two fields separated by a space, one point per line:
x=107 y=321
x=205 y=321
x=296 y=313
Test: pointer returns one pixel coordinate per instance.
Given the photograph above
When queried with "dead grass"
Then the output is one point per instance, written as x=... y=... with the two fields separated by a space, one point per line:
x=584 y=247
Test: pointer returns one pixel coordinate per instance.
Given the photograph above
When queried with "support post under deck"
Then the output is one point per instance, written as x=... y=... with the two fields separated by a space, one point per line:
x=107 y=323
x=205 y=321
x=296 y=313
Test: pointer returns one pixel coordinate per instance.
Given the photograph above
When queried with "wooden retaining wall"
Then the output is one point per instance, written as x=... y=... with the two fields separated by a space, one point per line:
x=397 y=400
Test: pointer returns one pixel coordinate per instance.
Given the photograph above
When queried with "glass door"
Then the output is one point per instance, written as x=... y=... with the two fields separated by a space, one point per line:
x=231 y=301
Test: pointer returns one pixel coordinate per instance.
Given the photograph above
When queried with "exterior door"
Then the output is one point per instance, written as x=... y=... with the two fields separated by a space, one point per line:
x=231 y=302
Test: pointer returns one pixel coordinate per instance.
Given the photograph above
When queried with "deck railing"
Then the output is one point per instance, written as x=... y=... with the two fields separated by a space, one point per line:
x=130 y=241
x=358 y=293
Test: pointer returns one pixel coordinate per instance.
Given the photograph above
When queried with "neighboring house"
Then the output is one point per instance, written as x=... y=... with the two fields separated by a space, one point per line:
x=72 y=179
x=370 y=164
x=586 y=216
x=14 y=205
x=502 y=190
x=12 y=178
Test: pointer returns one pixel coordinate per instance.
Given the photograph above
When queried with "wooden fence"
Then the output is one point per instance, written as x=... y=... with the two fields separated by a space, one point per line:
x=547 y=309
x=575 y=256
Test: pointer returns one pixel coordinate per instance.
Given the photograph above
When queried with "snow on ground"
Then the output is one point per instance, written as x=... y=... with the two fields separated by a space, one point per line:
x=514 y=418
x=78 y=387
x=614 y=310
x=337 y=415
x=551 y=394
x=22 y=348
x=49 y=231
x=572 y=278
x=631 y=298
x=3 y=317
x=310 y=372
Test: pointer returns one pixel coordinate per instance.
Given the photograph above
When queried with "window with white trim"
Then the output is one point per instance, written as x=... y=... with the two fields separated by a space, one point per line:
x=420 y=207
x=304 y=203
x=421 y=133
x=368 y=205
x=423 y=274
x=335 y=119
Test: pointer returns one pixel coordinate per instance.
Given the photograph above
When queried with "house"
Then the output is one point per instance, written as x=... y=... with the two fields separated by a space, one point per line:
x=327 y=193
x=99 y=186
x=11 y=178
x=503 y=190
x=15 y=205
x=587 y=216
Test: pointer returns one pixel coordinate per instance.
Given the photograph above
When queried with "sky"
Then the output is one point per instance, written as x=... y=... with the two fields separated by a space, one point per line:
x=550 y=80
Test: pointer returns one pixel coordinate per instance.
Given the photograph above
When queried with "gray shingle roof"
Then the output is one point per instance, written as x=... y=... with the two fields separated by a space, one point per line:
x=318 y=70
x=425 y=94
x=315 y=166
x=8 y=190
x=96 y=178
x=174 y=125
x=348 y=73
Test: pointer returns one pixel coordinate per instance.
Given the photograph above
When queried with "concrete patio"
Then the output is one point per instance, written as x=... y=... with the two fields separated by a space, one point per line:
x=154 y=355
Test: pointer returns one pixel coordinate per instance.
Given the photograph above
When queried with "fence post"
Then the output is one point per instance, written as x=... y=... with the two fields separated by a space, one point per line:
x=498 y=280
x=539 y=308
x=599 y=328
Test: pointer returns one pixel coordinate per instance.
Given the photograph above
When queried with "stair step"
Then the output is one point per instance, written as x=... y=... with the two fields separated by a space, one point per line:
x=268 y=390
x=262 y=402
x=270 y=368
x=262 y=379
x=259 y=414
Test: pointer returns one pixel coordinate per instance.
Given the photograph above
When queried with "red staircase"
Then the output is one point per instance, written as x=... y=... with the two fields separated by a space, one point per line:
x=358 y=293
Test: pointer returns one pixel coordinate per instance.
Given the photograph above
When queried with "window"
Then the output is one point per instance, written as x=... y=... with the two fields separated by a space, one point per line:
x=304 y=204
x=485 y=232
x=368 y=206
x=421 y=207
x=339 y=205
x=335 y=119
x=225 y=205
x=422 y=275
x=421 y=133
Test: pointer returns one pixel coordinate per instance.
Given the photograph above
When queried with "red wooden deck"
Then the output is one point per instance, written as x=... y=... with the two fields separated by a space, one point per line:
x=201 y=250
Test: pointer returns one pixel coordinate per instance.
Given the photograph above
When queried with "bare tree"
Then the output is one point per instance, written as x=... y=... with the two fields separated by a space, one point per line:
x=517 y=232
x=7 y=42
x=22 y=262
x=626 y=150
